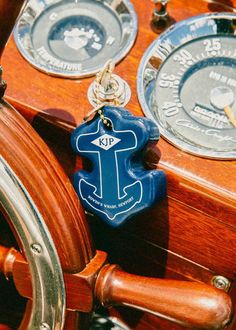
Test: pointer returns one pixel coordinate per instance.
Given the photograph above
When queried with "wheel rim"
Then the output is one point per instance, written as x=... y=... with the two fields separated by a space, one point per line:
x=48 y=310
x=45 y=215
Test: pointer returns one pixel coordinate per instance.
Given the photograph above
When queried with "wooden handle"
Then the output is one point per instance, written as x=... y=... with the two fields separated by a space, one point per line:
x=3 y=254
x=190 y=304
x=9 y=11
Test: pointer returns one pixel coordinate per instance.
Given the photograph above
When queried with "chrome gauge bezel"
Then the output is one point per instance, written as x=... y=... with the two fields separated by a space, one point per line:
x=177 y=36
x=123 y=12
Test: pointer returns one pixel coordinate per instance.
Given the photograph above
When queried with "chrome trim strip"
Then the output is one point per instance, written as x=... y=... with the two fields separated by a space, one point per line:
x=49 y=301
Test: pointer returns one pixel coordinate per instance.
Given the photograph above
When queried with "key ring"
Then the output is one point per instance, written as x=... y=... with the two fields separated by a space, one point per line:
x=109 y=88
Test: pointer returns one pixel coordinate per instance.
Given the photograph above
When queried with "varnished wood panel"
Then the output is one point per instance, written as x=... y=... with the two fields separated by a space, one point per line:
x=192 y=234
x=66 y=100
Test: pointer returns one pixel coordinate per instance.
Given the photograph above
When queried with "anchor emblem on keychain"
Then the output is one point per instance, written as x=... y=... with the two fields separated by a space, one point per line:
x=118 y=186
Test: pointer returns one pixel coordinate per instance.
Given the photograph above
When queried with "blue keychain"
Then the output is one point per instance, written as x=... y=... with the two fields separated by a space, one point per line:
x=118 y=186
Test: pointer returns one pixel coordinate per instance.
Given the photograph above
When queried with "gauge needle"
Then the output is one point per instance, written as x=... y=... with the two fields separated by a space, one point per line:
x=230 y=115
x=222 y=98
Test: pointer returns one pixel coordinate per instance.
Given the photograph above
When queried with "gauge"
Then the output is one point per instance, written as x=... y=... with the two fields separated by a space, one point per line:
x=187 y=84
x=75 y=38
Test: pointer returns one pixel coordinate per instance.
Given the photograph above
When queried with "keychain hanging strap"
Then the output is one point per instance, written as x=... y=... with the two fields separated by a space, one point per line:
x=93 y=112
x=98 y=110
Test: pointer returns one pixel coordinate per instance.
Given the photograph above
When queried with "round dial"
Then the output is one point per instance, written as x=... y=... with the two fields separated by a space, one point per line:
x=187 y=83
x=75 y=38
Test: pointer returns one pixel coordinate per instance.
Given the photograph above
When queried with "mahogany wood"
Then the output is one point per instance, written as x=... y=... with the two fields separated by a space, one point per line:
x=56 y=201
x=48 y=187
x=79 y=286
x=9 y=11
x=66 y=221
x=3 y=254
x=201 y=193
x=193 y=233
x=192 y=304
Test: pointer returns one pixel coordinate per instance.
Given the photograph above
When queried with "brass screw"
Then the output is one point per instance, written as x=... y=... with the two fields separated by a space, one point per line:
x=221 y=282
x=36 y=248
x=44 y=326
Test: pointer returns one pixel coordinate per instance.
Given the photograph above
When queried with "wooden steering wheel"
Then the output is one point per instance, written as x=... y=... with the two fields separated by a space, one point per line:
x=55 y=265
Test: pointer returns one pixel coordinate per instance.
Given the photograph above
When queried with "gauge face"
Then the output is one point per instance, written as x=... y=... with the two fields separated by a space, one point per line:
x=187 y=84
x=75 y=38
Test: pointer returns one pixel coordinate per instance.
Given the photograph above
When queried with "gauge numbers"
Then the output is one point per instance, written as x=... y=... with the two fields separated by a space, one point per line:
x=191 y=89
x=201 y=85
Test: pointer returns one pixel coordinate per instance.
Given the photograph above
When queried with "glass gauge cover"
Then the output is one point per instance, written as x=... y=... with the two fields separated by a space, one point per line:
x=187 y=84
x=75 y=38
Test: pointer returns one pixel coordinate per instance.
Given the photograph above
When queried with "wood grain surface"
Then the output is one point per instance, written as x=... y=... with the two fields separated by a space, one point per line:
x=66 y=100
x=49 y=189
x=191 y=304
x=192 y=234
